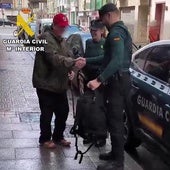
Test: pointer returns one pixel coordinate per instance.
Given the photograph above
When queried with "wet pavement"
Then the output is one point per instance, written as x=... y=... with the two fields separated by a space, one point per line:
x=19 y=124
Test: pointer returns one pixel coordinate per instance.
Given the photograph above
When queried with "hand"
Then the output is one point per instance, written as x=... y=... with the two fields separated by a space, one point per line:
x=94 y=84
x=71 y=75
x=80 y=62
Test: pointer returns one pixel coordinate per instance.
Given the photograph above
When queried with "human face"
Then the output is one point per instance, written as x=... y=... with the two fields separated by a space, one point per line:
x=96 y=34
x=58 y=30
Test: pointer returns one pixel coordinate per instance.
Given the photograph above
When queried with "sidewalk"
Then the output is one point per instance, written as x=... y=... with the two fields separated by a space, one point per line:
x=19 y=124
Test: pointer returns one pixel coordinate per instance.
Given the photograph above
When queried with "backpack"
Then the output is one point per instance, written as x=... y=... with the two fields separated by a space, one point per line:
x=90 y=120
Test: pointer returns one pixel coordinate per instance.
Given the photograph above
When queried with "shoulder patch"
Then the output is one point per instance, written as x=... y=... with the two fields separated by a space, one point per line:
x=116 y=38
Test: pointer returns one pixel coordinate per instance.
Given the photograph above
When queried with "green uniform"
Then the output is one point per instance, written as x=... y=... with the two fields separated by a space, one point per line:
x=116 y=62
x=94 y=54
x=118 y=51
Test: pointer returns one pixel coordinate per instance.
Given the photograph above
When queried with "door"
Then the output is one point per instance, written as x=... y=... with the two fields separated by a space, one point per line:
x=159 y=17
x=157 y=67
x=156 y=30
x=151 y=75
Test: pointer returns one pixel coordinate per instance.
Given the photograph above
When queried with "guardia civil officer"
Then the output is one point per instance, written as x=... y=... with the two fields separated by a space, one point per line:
x=115 y=74
x=94 y=55
x=94 y=52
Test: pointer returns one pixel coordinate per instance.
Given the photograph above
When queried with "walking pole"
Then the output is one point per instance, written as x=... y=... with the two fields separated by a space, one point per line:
x=72 y=98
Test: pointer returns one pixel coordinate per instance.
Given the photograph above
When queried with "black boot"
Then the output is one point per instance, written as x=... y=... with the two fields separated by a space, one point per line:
x=106 y=156
x=110 y=166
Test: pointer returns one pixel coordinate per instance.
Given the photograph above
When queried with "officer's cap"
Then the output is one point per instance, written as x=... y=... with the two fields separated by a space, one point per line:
x=110 y=7
x=96 y=24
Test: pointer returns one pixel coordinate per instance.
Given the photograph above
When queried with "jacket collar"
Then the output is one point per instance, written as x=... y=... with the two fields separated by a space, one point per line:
x=59 y=39
x=116 y=24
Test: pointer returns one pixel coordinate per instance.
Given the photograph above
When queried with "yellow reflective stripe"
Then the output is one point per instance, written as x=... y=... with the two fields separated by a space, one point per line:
x=152 y=126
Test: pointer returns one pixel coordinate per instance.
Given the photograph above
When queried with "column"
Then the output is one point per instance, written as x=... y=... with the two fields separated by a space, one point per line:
x=142 y=25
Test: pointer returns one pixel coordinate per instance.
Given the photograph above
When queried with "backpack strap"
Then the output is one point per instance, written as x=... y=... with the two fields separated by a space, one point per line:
x=79 y=152
x=72 y=98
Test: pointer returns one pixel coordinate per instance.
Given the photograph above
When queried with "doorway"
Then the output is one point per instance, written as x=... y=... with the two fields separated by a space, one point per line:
x=156 y=29
x=159 y=17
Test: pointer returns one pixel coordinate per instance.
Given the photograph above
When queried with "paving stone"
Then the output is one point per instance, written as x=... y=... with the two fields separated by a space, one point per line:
x=15 y=120
x=29 y=117
x=8 y=165
x=72 y=140
x=39 y=153
x=18 y=143
x=5 y=134
x=70 y=152
x=130 y=163
x=71 y=164
x=125 y=166
x=95 y=159
x=21 y=165
x=5 y=120
x=9 y=116
x=9 y=113
x=15 y=126
x=53 y=164
x=26 y=134
x=53 y=154
x=35 y=126
x=7 y=154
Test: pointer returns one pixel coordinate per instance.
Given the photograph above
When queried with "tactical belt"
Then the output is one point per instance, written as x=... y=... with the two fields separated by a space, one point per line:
x=117 y=76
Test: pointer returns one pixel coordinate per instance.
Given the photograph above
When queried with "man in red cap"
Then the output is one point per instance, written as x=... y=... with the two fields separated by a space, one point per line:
x=52 y=70
x=60 y=23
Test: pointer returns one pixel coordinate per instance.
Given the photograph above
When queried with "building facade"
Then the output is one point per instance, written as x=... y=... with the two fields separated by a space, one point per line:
x=10 y=8
x=51 y=8
x=160 y=19
x=88 y=10
x=135 y=14
x=39 y=8
x=147 y=20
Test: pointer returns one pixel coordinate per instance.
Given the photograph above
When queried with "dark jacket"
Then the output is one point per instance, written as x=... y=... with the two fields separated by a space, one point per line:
x=118 y=51
x=94 y=54
x=52 y=66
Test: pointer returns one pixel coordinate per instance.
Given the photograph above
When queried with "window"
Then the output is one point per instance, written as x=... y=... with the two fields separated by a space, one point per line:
x=158 y=63
x=139 y=60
